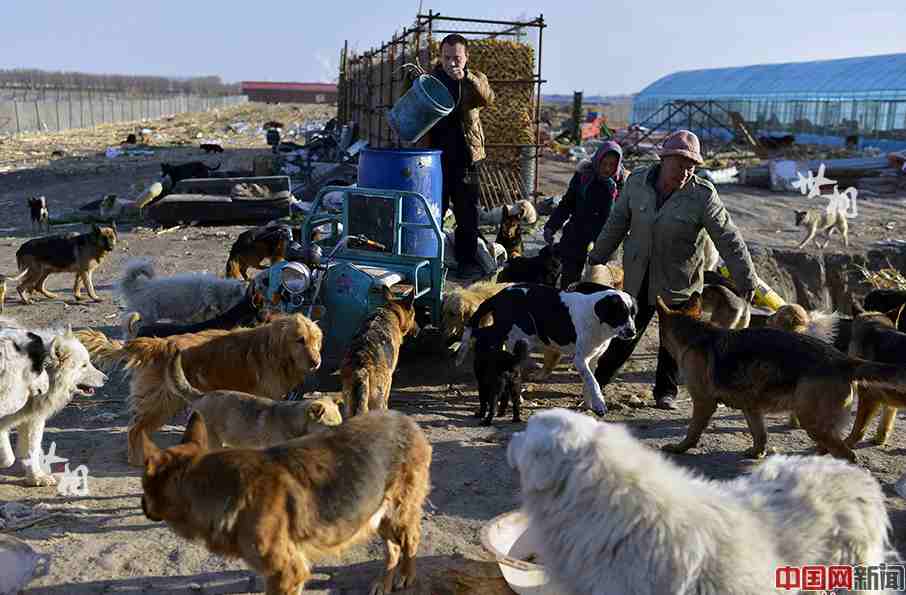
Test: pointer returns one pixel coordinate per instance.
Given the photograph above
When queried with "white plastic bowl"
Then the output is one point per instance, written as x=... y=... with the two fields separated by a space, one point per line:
x=510 y=539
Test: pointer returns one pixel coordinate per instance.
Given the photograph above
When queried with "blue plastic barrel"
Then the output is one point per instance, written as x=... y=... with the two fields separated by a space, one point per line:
x=426 y=102
x=415 y=170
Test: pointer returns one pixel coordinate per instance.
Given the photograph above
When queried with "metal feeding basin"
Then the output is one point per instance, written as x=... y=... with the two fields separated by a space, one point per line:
x=18 y=562
x=512 y=542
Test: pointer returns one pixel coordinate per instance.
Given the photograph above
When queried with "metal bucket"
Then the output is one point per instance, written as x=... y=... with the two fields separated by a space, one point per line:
x=426 y=102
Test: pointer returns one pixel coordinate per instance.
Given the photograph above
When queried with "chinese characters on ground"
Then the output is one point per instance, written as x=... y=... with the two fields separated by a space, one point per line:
x=73 y=482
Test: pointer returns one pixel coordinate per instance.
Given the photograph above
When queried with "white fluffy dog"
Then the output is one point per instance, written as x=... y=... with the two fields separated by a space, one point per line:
x=184 y=298
x=68 y=372
x=616 y=517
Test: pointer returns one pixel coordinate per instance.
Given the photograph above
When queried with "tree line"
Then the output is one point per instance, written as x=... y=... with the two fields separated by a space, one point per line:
x=35 y=80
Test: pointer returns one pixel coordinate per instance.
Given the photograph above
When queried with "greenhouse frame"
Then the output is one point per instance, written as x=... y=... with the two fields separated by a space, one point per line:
x=821 y=102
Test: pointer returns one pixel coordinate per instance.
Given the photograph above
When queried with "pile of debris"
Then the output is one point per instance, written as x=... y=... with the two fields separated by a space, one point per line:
x=871 y=176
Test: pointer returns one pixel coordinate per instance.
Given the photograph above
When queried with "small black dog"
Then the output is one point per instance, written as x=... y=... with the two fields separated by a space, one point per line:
x=499 y=376
x=185 y=171
x=40 y=216
x=543 y=269
x=211 y=148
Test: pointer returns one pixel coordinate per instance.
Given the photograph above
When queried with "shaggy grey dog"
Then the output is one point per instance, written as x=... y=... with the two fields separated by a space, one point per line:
x=619 y=518
x=183 y=298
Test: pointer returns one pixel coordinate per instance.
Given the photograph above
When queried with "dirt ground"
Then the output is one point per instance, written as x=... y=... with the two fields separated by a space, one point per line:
x=102 y=543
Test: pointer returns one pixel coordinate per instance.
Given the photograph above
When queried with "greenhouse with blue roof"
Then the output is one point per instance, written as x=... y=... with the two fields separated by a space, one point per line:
x=820 y=102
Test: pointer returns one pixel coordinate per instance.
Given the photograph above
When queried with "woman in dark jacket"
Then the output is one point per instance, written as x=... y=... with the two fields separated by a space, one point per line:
x=585 y=208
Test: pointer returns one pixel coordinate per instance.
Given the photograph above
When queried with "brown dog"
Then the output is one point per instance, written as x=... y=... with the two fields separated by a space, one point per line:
x=12 y=279
x=826 y=327
x=268 y=361
x=369 y=363
x=875 y=337
x=255 y=247
x=277 y=509
x=509 y=233
x=760 y=370
x=64 y=253
x=727 y=310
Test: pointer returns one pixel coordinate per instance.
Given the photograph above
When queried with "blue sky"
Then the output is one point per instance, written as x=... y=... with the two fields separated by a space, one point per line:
x=605 y=46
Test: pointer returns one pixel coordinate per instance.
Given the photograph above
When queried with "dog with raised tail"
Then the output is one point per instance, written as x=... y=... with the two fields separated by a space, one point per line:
x=181 y=298
x=609 y=515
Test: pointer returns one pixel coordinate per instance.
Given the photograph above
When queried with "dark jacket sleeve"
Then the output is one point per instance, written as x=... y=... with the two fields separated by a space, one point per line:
x=729 y=243
x=481 y=94
x=567 y=206
x=614 y=231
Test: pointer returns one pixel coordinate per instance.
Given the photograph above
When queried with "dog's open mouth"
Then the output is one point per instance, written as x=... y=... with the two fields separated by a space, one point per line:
x=85 y=389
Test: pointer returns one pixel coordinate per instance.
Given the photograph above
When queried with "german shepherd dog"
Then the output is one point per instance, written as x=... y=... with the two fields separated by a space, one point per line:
x=761 y=370
x=509 y=234
x=64 y=253
x=256 y=246
x=369 y=363
x=875 y=337
x=281 y=508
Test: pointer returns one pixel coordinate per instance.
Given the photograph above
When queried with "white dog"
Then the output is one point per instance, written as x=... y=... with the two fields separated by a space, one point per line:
x=184 y=298
x=68 y=372
x=618 y=518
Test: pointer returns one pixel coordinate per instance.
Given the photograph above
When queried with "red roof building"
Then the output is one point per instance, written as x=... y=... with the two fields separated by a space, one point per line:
x=274 y=92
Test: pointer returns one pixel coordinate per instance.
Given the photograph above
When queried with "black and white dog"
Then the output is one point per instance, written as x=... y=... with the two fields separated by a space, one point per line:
x=40 y=216
x=581 y=322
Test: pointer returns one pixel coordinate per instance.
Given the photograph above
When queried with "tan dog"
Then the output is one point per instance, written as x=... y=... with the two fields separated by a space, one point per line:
x=369 y=363
x=268 y=360
x=12 y=279
x=818 y=219
x=462 y=302
x=727 y=310
x=241 y=420
x=278 y=509
x=65 y=253
x=875 y=337
x=762 y=370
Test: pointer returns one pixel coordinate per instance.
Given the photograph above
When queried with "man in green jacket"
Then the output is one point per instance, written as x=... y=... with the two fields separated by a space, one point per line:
x=461 y=138
x=665 y=214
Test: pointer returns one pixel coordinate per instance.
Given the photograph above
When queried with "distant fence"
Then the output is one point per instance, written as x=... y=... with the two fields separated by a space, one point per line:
x=87 y=112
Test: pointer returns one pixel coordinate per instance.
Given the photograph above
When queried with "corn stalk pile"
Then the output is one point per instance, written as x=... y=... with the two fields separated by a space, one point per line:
x=510 y=120
x=886 y=278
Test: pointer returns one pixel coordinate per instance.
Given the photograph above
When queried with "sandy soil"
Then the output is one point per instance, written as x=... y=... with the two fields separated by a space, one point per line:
x=102 y=543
